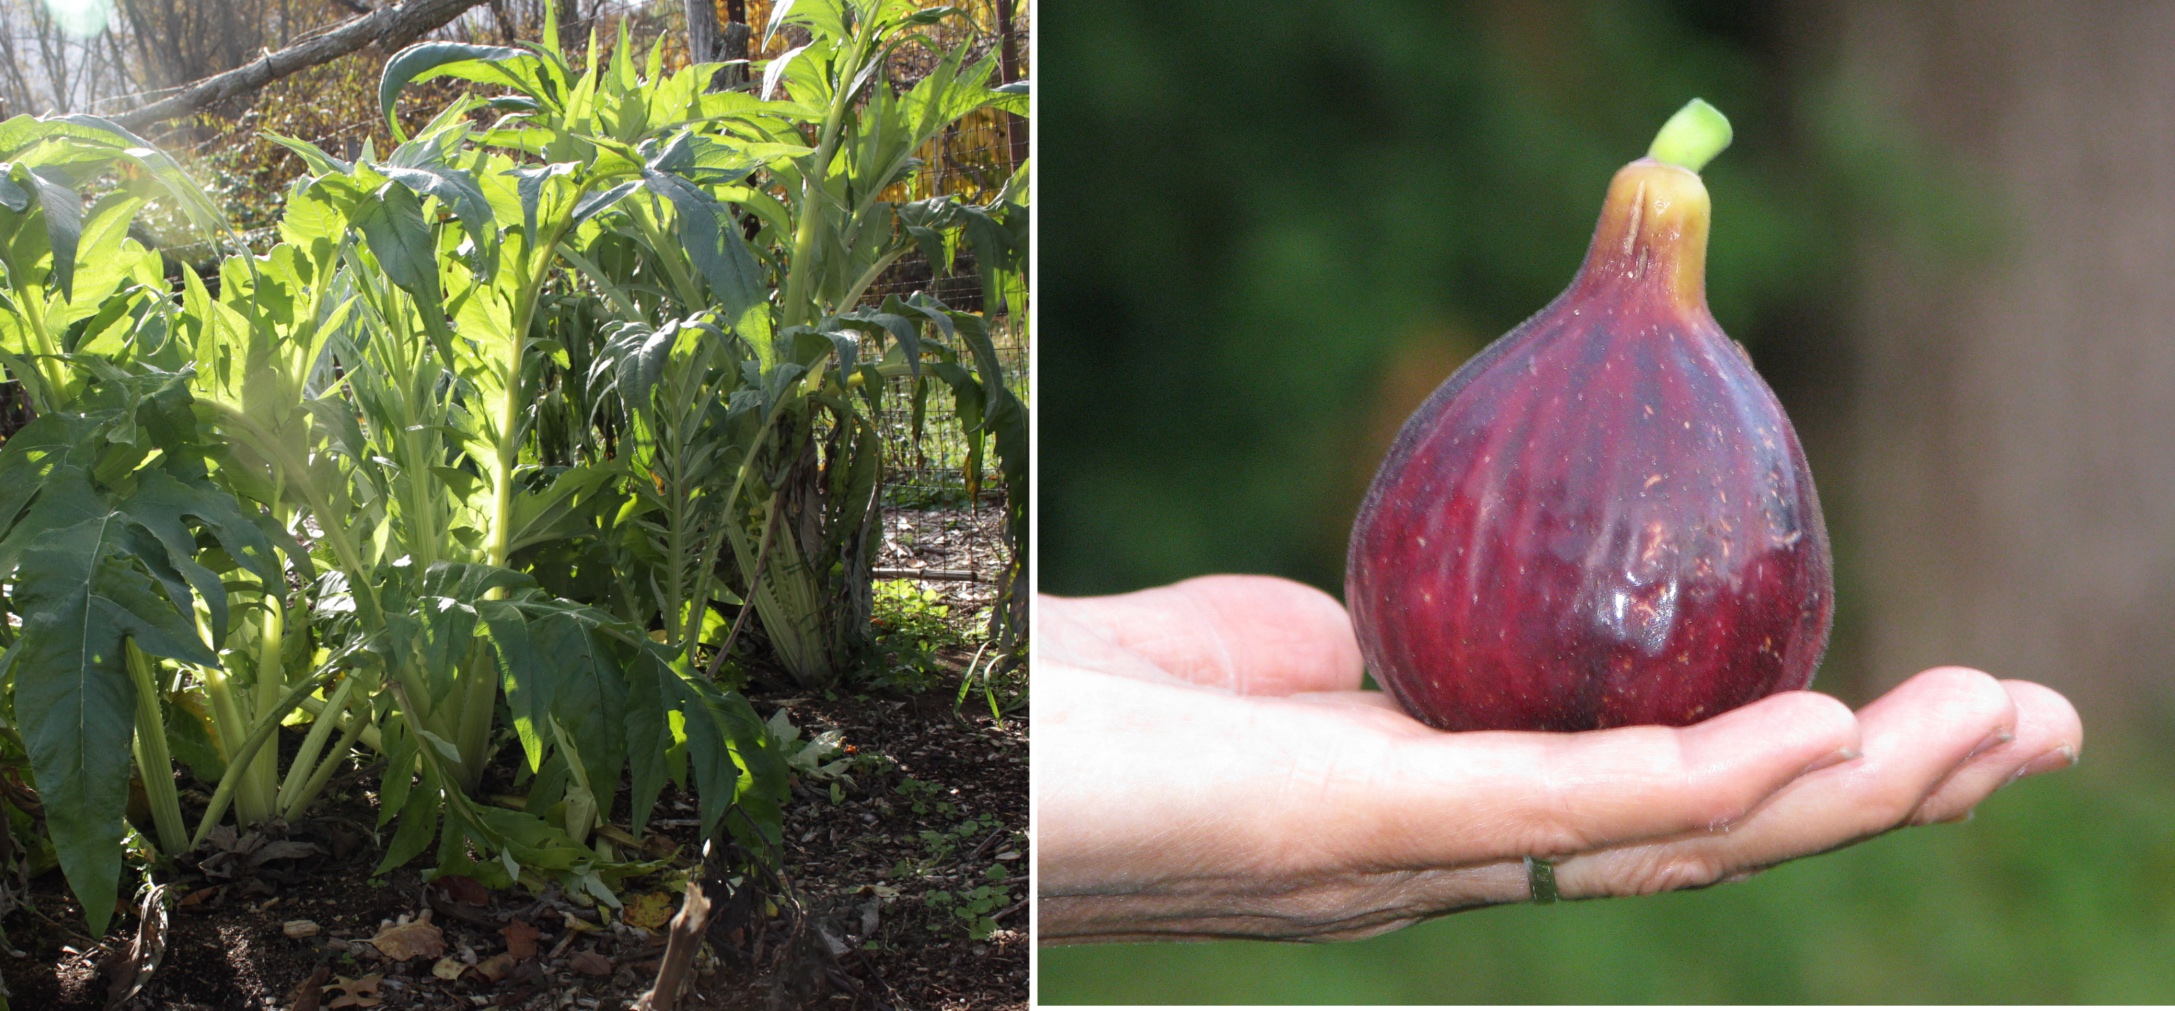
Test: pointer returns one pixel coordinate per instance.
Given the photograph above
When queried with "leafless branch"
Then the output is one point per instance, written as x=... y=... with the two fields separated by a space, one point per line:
x=393 y=24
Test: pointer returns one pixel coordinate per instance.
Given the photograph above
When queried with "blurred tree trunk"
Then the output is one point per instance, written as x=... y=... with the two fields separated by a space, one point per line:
x=737 y=34
x=2013 y=500
x=703 y=42
x=1008 y=63
x=708 y=41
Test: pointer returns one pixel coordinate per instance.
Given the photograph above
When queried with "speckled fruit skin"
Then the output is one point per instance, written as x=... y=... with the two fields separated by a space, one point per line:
x=1604 y=519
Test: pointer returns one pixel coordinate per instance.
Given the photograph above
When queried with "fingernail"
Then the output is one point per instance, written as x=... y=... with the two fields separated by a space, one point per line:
x=2060 y=758
x=1830 y=760
x=1992 y=741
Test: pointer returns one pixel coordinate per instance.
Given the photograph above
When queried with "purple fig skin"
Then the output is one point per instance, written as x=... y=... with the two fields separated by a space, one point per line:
x=1605 y=518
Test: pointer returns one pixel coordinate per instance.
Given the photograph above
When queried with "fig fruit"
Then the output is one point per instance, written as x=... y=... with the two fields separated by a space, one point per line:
x=1603 y=519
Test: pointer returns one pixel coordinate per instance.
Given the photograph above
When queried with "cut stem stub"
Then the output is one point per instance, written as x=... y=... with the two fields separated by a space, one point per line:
x=1692 y=137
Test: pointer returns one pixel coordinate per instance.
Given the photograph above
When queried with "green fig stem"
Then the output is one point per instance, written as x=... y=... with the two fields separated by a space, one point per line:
x=1692 y=137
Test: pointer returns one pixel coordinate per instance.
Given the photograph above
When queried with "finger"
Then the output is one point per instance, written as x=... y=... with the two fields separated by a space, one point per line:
x=2048 y=736
x=1069 y=644
x=1253 y=635
x=1460 y=799
x=1913 y=738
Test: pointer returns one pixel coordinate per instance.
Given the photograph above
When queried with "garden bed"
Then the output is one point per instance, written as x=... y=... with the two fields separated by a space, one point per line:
x=911 y=855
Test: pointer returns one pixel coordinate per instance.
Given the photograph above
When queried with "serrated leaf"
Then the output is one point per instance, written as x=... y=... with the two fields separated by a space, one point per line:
x=425 y=60
x=459 y=191
x=527 y=694
x=776 y=68
x=529 y=186
x=735 y=279
x=902 y=329
x=648 y=737
x=313 y=156
x=734 y=759
x=595 y=202
x=13 y=197
x=81 y=592
x=63 y=224
x=418 y=822
x=1014 y=98
x=392 y=223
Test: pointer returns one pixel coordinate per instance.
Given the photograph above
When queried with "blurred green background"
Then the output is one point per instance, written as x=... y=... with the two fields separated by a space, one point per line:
x=1269 y=229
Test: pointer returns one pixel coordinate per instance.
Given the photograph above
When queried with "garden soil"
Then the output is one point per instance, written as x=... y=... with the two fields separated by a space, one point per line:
x=907 y=870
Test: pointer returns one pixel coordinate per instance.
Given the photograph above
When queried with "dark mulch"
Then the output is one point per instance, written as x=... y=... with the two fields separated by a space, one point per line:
x=913 y=861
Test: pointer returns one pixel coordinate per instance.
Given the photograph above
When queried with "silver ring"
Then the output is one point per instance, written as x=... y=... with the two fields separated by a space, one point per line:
x=1541 y=881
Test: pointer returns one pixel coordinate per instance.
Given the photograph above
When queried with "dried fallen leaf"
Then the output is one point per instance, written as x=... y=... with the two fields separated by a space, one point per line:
x=521 y=939
x=590 y=963
x=403 y=941
x=357 y=992
x=649 y=911
x=282 y=850
x=132 y=967
x=299 y=929
x=309 y=994
x=461 y=888
x=448 y=969
x=499 y=966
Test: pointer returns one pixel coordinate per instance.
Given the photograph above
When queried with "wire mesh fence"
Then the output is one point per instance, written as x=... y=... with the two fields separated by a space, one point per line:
x=933 y=468
x=972 y=161
x=933 y=465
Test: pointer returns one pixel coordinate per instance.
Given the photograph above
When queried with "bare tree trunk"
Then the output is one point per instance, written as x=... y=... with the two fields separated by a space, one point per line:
x=504 y=20
x=1008 y=67
x=710 y=42
x=703 y=41
x=737 y=34
x=2014 y=491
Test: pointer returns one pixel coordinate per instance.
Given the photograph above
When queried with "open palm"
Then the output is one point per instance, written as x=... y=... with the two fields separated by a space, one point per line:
x=1207 y=766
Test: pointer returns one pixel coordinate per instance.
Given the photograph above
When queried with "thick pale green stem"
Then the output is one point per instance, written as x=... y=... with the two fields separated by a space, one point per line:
x=305 y=760
x=366 y=733
x=326 y=768
x=250 y=807
x=477 y=698
x=263 y=785
x=478 y=694
x=687 y=593
x=152 y=757
x=50 y=370
x=422 y=509
x=240 y=754
x=800 y=273
x=536 y=266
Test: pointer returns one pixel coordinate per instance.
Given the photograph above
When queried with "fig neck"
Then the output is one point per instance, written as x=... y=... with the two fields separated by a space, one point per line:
x=1652 y=237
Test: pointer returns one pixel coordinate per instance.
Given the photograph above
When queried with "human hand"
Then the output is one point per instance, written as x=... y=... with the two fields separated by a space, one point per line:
x=1206 y=766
